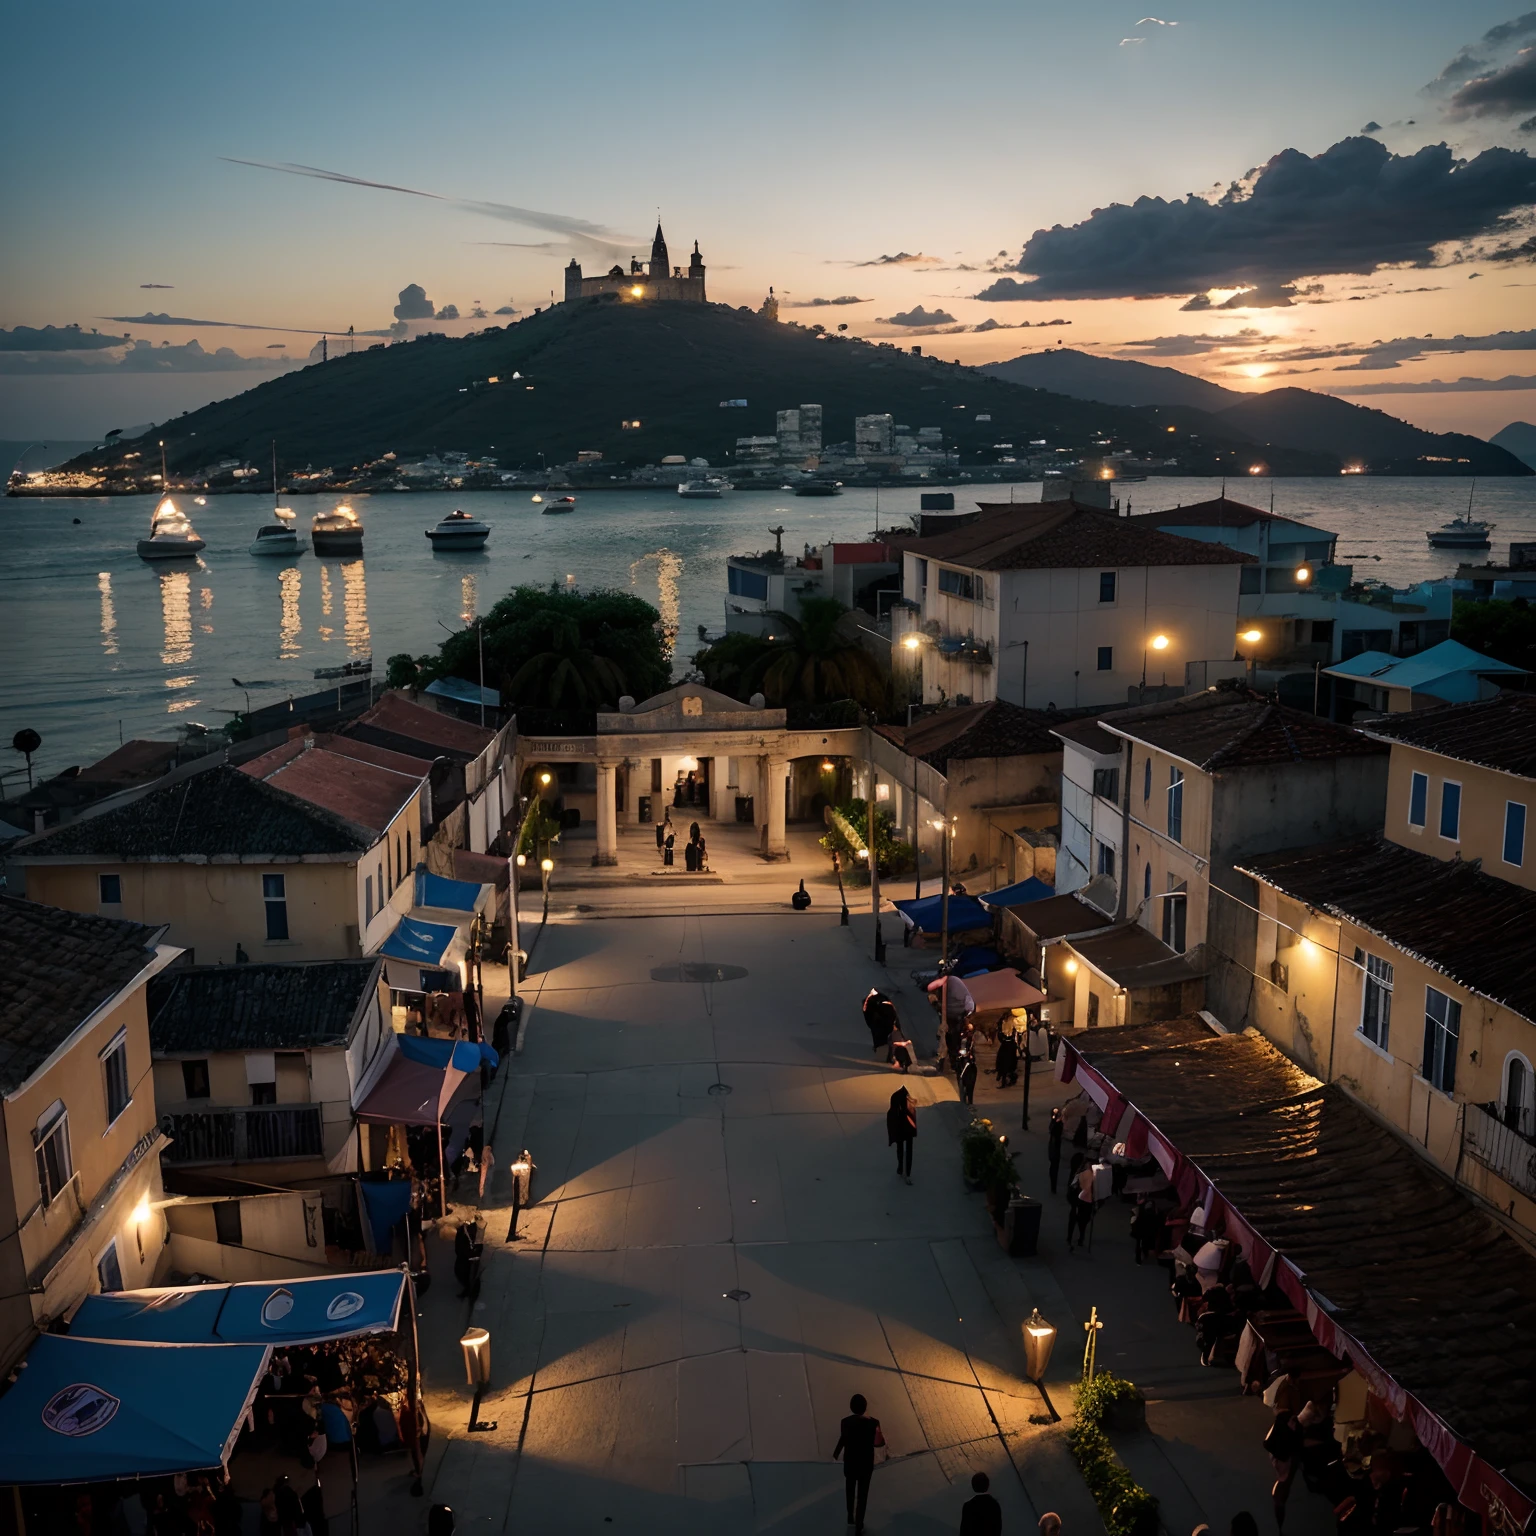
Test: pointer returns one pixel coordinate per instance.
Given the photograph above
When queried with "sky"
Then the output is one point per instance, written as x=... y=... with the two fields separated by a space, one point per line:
x=1333 y=196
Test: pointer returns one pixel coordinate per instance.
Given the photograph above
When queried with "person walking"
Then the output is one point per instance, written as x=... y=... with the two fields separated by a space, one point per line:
x=661 y=835
x=967 y=1076
x=856 y=1444
x=901 y=1131
x=981 y=1514
x=1053 y=1138
x=1007 y=1061
x=879 y=1018
x=1079 y=1209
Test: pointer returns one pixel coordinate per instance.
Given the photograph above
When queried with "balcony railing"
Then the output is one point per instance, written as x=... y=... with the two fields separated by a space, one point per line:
x=259 y=1133
x=1501 y=1147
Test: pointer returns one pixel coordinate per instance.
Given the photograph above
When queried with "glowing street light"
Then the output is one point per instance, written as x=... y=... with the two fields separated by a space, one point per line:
x=1303 y=573
x=1039 y=1341
x=1252 y=636
x=911 y=642
x=476 y=1345
x=545 y=779
x=1159 y=642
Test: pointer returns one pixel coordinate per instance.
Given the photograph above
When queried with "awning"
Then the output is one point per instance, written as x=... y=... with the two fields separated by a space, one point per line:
x=83 y=1411
x=1002 y=989
x=927 y=914
x=447 y=895
x=417 y=1082
x=465 y=1055
x=462 y=692
x=420 y=943
x=1023 y=890
x=308 y=1311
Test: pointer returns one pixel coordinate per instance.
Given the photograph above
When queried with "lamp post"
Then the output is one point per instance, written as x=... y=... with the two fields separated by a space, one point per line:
x=1039 y=1341
x=842 y=896
x=546 y=869
x=1157 y=643
x=518 y=862
x=1252 y=638
x=522 y=1189
x=1093 y=1327
x=942 y=826
x=476 y=1345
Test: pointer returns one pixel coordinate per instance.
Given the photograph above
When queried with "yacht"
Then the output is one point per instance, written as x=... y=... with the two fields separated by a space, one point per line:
x=819 y=488
x=708 y=489
x=170 y=535
x=459 y=531
x=560 y=504
x=337 y=532
x=281 y=535
x=1464 y=532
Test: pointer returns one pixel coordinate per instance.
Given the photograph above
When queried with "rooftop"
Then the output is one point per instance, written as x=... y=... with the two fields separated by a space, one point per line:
x=1064 y=534
x=59 y=968
x=1131 y=956
x=994 y=729
x=398 y=717
x=1221 y=512
x=1056 y=916
x=1090 y=735
x=341 y=778
x=203 y=1008
x=1470 y=926
x=1494 y=733
x=221 y=813
x=1429 y=1287
x=1221 y=729
x=1443 y=660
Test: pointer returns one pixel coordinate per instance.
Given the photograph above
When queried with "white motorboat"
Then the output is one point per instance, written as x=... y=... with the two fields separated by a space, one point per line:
x=1466 y=532
x=459 y=530
x=281 y=535
x=560 y=504
x=170 y=535
x=710 y=488
x=337 y=532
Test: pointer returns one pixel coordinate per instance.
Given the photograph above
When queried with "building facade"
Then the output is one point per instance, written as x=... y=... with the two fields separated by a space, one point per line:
x=642 y=283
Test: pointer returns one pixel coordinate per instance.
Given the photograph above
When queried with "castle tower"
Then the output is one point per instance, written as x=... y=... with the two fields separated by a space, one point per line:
x=770 y=307
x=573 y=281
x=696 y=264
x=659 y=266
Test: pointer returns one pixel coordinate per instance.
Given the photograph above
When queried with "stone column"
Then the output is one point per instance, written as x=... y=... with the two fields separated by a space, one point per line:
x=607 y=817
x=775 y=776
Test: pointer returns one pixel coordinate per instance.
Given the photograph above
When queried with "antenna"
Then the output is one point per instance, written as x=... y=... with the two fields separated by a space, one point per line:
x=164 y=485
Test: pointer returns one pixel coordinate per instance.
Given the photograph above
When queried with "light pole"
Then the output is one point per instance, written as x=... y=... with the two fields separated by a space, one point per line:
x=1251 y=638
x=872 y=840
x=1158 y=643
x=546 y=868
x=942 y=827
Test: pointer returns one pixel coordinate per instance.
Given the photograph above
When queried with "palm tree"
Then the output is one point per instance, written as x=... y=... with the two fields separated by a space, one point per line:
x=816 y=659
x=567 y=674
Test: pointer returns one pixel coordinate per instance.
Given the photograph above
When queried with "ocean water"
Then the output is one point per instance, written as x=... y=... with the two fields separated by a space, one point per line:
x=97 y=646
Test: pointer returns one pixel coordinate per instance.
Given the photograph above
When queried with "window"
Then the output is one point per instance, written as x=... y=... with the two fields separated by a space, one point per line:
x=409 y=863
x=740 y=583
x=1516 y=1108
x=194 y=1079
x=1106 y=859
x=108 y=1270
x=274 y=892
x=1250 y=579
x=1106 y=586
x=261 y=1076
x=114 y=1065
x=1146 y=780
x=368 y=899
x=1106 y=782
x=1106 y=658
x=1418 y=799
x=1450 y=810
x=382 y=892
x=1175 y=919
x=960 y=584
x=1322 y=631
x=111 y=890
x=1376 y=1006
x=263 y=1093
x=1176 y=804
x=1514 y=833
x=1442 y=1032
x=51 y=1141
x=922 y=575
x=1146 y=884
x=226 y=1223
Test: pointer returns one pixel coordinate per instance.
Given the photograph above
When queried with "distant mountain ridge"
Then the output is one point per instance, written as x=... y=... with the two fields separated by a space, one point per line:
x=1518 y=438
x=1115 y=381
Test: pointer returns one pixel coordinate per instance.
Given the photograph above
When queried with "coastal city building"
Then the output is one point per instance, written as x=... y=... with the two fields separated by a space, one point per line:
x=642 y=283
x=758 y=586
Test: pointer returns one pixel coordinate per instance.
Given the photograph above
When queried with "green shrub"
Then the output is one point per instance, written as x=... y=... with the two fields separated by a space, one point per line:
x=848 y=832
x=1128 y=1509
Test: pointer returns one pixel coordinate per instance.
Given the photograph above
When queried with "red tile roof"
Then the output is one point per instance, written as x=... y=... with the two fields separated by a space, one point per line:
x=994 y=729
x=365 y=794
x=1218 y=512
x=862 y=554
x=398 y=715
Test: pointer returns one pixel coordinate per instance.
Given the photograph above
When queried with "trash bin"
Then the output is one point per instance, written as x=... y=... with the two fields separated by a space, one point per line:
x=1020 y=1231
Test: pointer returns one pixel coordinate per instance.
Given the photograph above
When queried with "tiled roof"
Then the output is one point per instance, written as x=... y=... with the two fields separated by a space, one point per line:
x=396 y=716
x=1494 y=733
x=1090 y=735
x=59 y=967
x=993 y=729
x=203 y=1008
x=1065 y=535
x=1474 y=928
x=365 y=793
x=1220 y=729
x=1218 y=512
x=220 y=813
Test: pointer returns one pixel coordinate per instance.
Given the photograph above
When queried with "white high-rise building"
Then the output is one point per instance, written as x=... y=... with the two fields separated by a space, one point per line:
x=872 y=434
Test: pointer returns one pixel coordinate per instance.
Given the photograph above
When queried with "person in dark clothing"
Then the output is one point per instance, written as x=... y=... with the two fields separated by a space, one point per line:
x=1053 y=1137
x=981 y=1514
x=967 y=1076
x=691 y=789
x=1007 y=1067
x=1146 y=1230
x=466 y=1248
x=691 y=857
x=879 y=1017
x=901 y=1050
x=901 y=1130
x=1283 y=1442
x=801 y=899
x=1079 y=1211
x=693 y=832
x=666 y=850
x=1243 y=1524
x=313 y=1500
x=1080 y=1134
x=856 y=1445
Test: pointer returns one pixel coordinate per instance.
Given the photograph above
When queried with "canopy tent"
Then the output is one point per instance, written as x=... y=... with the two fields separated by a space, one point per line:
x=461 y=897
x=423 y=957
x=463 y=1055
x=85 y=1411
x=1011 y=895
x=927 y=914
x=1002 y=989
x=409 y=1092
x=309 y=1311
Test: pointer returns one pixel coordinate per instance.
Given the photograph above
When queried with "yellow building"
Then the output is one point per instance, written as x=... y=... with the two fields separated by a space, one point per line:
x=1400 y=966
x=81 y=1171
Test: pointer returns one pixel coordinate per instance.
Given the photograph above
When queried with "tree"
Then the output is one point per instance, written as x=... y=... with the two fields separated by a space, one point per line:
x=726 y=664
x=1503 y=630
x=817 y=659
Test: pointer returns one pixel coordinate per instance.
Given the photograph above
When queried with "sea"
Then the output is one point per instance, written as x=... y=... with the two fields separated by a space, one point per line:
x=99 y=647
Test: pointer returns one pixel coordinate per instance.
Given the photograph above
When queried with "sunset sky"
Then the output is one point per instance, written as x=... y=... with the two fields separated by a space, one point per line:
x=804 y=145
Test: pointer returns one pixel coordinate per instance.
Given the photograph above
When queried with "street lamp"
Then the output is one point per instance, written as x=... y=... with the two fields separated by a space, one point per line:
x=1303 y=574
x=945 y=827
x=546 y=869
x=1157 y=642
x=1039 y=1341
x=522 y=1189
x=1251 y=638
x=476 y=1345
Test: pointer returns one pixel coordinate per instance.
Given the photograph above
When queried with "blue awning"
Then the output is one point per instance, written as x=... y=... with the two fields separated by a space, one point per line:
x=84 y=1411
x=418 y=942
x=927 y=914
x=447 y=895
x=462 y=692
x=307 y=1311
x=466 y=1055
x=1011 y=895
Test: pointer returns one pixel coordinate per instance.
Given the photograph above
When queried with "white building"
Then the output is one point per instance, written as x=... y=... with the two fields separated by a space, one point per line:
x=1059 y=605
x=1092 y=833
x=873 y=435
x=758 y=586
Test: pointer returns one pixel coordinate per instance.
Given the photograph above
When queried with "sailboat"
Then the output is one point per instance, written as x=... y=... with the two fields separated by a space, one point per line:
x=281 y=535
x=171 y=536
x=1463 y=532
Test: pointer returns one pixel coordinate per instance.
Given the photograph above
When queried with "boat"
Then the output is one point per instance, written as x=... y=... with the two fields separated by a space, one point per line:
x=359 y=668
x=281 y=535
x=537 y=499
x=708 y=489
x=170 y=535
x=1464 y=532
x=560 y=504
x=459 y=531
x=820 y=488
x=337 y=532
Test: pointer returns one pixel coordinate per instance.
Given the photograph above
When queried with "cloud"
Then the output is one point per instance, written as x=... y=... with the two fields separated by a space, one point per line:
x=846 y=298
x=1478 y=59
x=1372 y=127
x=1356 y=207
x=1155 y=21
x=56 y=338
x=1017 y=325
x=900 y=259
x=414 y=304
x=447 y=312
x=1194 y=346
x=227 y=325
x=1127 y=42
x=142 y=357
x=1463 y=385
x=1381 y=355
x=1265 y=296
x=578 y=231
x=1006 y=289
x=1503 y=93
x=157 y=285
x=918 y=316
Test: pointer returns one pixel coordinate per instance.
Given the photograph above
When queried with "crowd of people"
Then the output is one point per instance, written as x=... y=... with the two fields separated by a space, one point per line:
x=695 y=850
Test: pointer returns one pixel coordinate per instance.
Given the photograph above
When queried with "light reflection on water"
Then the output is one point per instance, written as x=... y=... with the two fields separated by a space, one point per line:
x=84 y=644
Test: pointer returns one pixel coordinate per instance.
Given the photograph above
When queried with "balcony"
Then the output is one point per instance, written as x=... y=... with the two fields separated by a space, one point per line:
x=1501 y=1148
x=965 y=649
x=258 y=1133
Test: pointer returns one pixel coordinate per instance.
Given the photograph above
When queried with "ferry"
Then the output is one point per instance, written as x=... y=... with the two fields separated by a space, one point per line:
x=170 y=535
x=459 y=531
x=337 y=532
x=560 y=504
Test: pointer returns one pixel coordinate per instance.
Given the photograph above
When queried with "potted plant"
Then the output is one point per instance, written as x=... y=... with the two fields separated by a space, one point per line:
x=978 y=1148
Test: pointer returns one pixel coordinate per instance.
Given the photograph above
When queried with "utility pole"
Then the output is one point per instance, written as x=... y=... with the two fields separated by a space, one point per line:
x=872 y=840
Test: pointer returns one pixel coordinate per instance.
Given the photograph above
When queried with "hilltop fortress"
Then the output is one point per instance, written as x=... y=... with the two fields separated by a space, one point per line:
x=659 y=281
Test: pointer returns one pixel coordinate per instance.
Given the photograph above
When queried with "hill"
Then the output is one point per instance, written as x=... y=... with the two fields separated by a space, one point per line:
x=1518 y=438
x=570 y=378
x=37 y=455
x=1115 y=381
